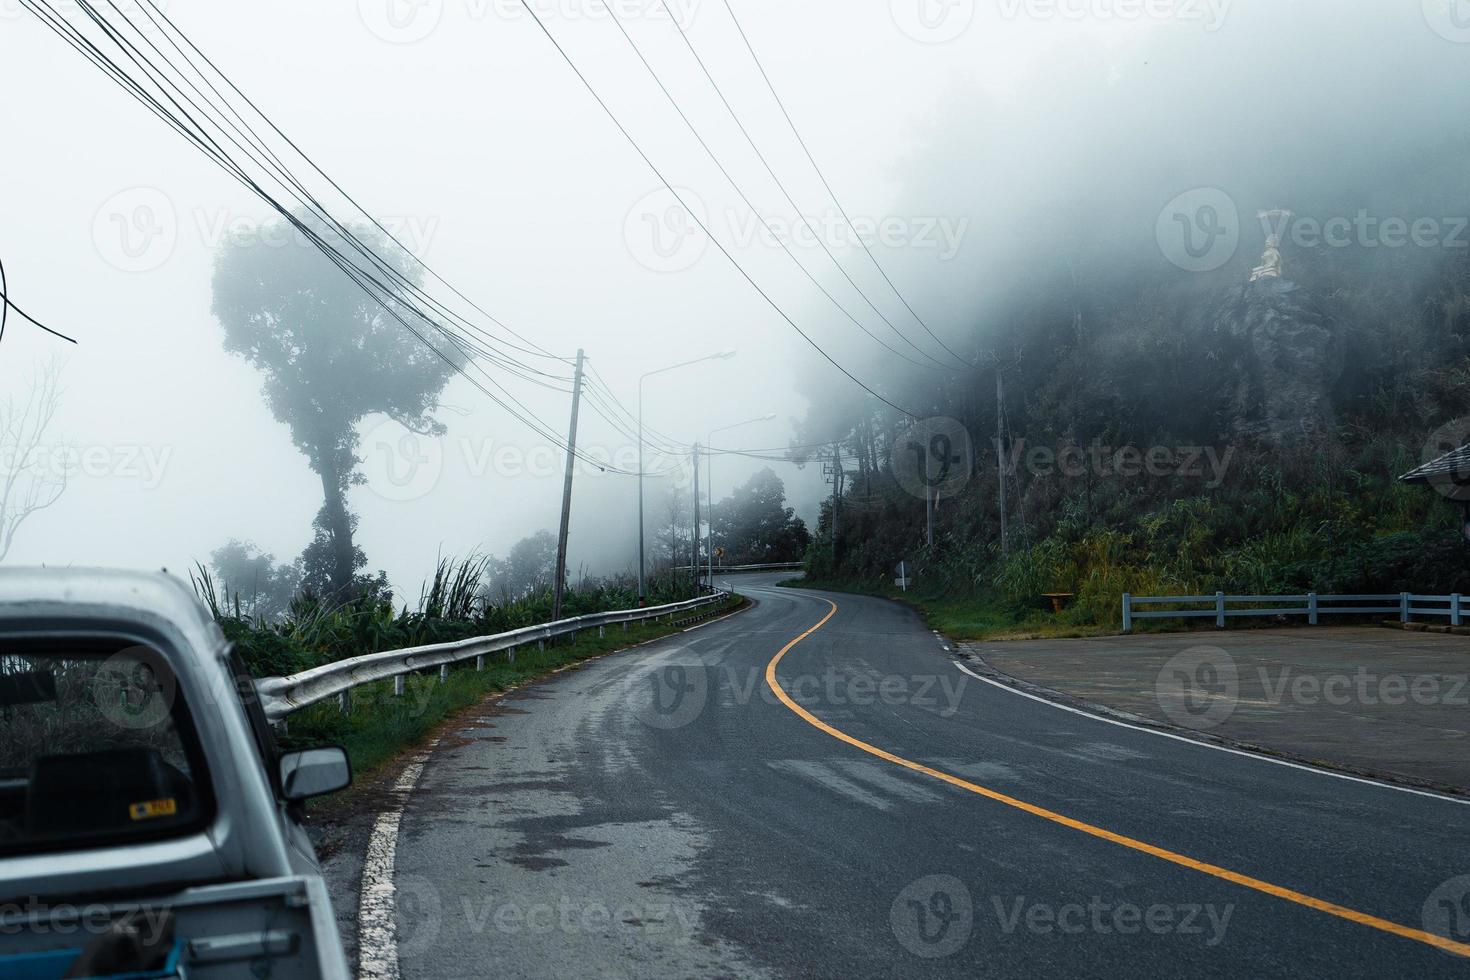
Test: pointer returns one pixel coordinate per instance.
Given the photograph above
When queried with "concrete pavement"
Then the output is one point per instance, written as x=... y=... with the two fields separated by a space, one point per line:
x=1363 y=699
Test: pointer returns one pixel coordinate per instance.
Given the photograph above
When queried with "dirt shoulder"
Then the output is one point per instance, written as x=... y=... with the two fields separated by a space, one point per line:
x=1384 y=703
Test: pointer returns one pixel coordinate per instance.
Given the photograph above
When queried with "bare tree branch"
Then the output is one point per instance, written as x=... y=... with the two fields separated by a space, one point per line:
x=27 y=484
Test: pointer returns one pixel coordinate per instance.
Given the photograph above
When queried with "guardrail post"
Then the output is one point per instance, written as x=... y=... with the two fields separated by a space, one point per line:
x=443 y=673
x=1403 y=607
x=625 y=626
x=602 y=632
x=1455 y=609
x=1219 y=610
x=344 y=701
x=480 y=662
x=1312 y=608
x=541 y=645
x=510 y=654
x=398 y=685
x=1127 y=613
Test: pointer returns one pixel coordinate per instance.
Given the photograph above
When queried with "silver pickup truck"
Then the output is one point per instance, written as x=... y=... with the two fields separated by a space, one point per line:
x=149 y=828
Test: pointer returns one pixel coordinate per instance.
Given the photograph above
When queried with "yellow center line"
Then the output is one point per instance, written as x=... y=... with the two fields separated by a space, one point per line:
x=1331 y=908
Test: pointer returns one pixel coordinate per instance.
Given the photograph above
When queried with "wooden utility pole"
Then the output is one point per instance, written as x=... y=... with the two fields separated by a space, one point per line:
x=696 y=518
x=836 y=494
x=566 y=497
x=929 y=516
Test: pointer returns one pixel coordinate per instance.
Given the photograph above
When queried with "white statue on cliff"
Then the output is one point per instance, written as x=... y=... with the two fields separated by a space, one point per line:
x=1271 y=263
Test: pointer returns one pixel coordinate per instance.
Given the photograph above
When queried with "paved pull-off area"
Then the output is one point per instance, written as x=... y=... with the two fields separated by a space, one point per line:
x=1359 y=698
x=815 y=788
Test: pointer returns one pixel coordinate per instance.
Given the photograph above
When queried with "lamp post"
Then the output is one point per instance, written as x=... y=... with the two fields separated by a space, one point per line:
x=709 y=472
x=723 y=355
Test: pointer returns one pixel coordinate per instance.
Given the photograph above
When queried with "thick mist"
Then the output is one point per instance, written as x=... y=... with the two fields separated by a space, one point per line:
x=1016 y=154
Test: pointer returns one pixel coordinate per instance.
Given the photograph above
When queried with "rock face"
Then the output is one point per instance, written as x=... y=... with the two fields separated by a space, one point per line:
x=1286 y=358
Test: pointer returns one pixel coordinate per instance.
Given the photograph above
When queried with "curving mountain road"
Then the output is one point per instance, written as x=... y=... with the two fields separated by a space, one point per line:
x=669 y=812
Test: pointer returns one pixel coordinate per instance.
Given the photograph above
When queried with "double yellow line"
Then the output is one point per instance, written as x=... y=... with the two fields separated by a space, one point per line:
x=1225 y=874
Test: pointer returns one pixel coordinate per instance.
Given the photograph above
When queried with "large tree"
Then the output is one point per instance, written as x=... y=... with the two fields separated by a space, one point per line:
x=529 y=568
x=331 y=355
x=755 y=526
x=250 y=577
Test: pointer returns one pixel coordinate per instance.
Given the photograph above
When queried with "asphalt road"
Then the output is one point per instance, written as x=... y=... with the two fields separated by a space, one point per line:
x=663 y=812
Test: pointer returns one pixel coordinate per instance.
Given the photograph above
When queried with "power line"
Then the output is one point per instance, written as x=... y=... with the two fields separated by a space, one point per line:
x=7 y=304
x=718 y=244
x=297 y=188
x=632 y=419
x=211 y=147
x=337 y=187
x=750 y=204
x=735 y=117
x=384 y=295
x=831 y=193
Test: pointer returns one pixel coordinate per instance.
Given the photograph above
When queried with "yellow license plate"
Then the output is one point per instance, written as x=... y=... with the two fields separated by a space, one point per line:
x=153 y=809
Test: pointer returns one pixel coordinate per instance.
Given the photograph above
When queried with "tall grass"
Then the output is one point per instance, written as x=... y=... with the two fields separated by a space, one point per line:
x=453 y=605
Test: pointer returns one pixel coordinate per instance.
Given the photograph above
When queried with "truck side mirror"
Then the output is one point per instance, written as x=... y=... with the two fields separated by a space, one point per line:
x=314 y=772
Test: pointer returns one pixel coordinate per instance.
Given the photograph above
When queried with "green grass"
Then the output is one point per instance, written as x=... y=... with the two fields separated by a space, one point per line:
x=380 y=725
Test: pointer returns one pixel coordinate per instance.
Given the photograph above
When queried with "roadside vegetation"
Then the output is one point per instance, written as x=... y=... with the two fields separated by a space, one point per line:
x=1295 y=494
x=380 y=724
x=1360 y=532
x=466 y=598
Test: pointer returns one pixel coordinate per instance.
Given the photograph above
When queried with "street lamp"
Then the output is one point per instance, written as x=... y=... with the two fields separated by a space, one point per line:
x=723 y=355
x=709 y=473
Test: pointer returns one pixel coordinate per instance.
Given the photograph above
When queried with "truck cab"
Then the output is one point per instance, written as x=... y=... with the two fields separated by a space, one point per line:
x=149 y=827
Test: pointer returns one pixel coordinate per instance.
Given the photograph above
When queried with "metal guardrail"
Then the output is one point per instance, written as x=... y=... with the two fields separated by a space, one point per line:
x=1405 y=605
x=784 y=566
x=283 y=696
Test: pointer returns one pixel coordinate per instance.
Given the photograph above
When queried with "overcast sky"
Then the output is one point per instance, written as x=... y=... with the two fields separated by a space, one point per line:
x=458 y=124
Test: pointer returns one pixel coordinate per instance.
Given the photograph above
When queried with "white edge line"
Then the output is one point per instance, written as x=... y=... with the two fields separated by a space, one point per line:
x=377 y=930
x=700 y=626
x=1209 y=745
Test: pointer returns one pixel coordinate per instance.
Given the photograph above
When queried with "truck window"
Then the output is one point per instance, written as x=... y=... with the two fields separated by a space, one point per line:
x=260 y=728
x=96 y=747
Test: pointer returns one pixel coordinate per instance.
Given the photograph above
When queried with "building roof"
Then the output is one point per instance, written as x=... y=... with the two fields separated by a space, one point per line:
x=1449 y=472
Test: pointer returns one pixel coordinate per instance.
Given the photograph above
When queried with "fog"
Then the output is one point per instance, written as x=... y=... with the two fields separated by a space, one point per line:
x=986 y=145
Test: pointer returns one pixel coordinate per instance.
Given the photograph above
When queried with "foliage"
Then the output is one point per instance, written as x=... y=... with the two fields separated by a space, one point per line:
x=255 y=586
x=452 y=606
x=1377 y=340
x=331 y=355
x=528 y=569
x=755 y=526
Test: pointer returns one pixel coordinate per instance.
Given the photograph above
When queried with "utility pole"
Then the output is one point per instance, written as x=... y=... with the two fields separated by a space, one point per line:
x=929 y=513
x=709 y=538
x=836 y=494
x=1000 y=454
x=566 y=496
x=696 y=518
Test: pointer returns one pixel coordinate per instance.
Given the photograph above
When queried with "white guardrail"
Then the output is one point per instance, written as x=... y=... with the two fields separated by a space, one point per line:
x=282 y=696
x=783 y=566
x=1404 y=605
